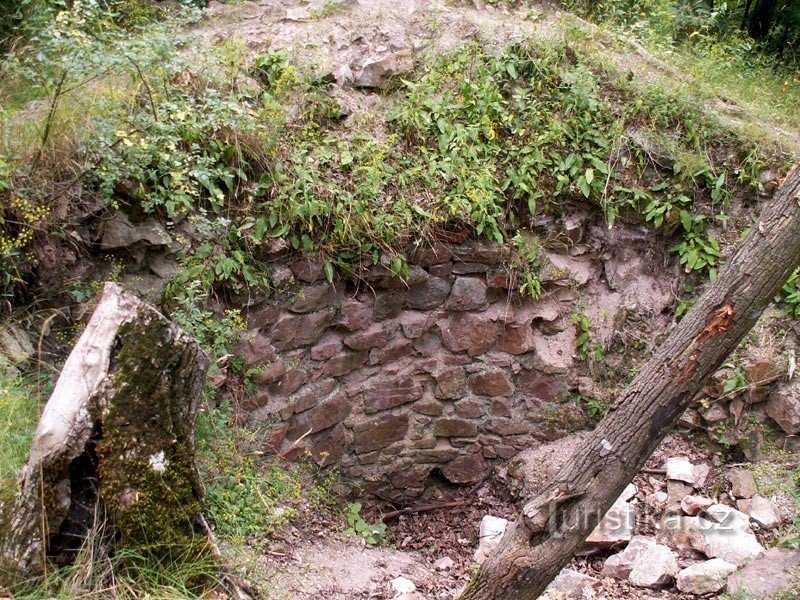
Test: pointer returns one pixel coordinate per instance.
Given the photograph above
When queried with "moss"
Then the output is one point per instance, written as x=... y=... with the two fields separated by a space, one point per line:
x=151 y=413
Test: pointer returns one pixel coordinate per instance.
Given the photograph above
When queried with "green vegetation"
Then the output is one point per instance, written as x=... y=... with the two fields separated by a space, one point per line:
x=135 y=125
x=372 y=533
x=19 y=413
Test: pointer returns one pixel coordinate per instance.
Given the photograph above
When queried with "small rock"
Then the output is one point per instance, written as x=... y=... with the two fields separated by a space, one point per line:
x=761 y=510
x=401 y=585
x=15 y=344
x=692 y=505
x=784 y=405
x=617 y=524
x=705 y=578
x=681 y=469
x=657 y=499
x=490 y=533
x=768 y=576
x=572 y=584
x=743 y=484
x=379 y=73
x=444 y=564
x=730 y=538
x=645 y=562
x=677 y=491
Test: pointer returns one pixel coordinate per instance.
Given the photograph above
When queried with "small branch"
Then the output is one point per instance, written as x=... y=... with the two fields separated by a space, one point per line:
x=424 y=508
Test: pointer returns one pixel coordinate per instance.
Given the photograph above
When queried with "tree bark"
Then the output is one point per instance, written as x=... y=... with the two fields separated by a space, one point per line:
x=761 y=19
x=555 y=524
x=113 y=454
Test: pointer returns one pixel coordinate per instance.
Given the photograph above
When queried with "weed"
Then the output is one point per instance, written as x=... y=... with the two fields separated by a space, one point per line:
x=372 y=533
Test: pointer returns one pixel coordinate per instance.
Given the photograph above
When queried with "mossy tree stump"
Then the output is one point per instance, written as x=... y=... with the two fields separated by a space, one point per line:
x=114 y=449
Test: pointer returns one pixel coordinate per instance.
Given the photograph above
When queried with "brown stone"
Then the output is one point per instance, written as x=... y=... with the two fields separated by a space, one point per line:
x=344 y=363
x=427 y=255
x=388 y=304
x=381 y=394
x=454 y=428
x=274 y=438
x=271 y=372
x=327 y=348
x=379 y=433
x=301 y=330
x=515 y=339
x=327 y=447
x=505 y=427
x=308 y=270
x=355 y=315
x=784 y=406
x=501 y=279
x=470 y=468
x=409 y=476
x=545 y=387
x=327 y=414
x=474 y=333
x=470 y=408
x=311 y=395
x=254 y=348
x=469 y=268
x=451 y=383
x=501 y=407
x=468 y=293
x=480 y=251
x=442 y=270
x=374 y=337
x=291 y=381
x=264 y=317
x=315 y=297
x=428 y=406
x=392 y=351
x=492 y=383
x=428 y=295
x=415 y=324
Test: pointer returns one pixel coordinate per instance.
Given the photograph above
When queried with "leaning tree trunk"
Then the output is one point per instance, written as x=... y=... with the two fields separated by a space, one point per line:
x=554 y=525
x=114 y=449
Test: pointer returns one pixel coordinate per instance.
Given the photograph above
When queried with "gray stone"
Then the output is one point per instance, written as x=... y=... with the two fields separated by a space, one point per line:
x=468 y=293
x=119 y=232
x=704 y=578
x=388 y=304
x=429 y=294
x=573 y=585
x=681 y=469
x=380 y=73
x=308 y=270
x=616 y=526
x=644 y=562
x=729 y=538
x=761 y=510
x=489 y=535
x=743 y=484
x=14 y=344
x=692 y=505
x=769 y=576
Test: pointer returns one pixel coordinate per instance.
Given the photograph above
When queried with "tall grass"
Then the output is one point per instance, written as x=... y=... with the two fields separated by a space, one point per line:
x=19 y=412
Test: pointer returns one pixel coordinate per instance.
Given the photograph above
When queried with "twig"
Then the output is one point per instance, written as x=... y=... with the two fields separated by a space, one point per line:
x=238 y=588
x=424 y=508
x=655 y=471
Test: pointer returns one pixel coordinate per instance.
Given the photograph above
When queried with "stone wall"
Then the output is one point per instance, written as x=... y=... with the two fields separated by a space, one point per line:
x=441 y=374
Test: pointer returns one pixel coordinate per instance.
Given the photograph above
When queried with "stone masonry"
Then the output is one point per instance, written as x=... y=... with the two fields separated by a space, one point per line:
x=441 y=374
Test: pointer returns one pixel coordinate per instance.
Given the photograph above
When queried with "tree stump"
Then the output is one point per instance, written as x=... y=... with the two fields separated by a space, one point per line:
x=114 y=449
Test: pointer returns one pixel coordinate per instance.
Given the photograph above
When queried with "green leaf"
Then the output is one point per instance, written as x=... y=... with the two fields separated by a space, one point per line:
x=686 y=220
x=589 y=175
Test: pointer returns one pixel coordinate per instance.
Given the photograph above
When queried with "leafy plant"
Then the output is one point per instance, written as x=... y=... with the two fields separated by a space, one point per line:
x=790 y=294
x=372 y=533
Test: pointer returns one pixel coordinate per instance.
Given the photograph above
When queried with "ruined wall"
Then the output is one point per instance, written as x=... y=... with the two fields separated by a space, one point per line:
x=445 y=372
